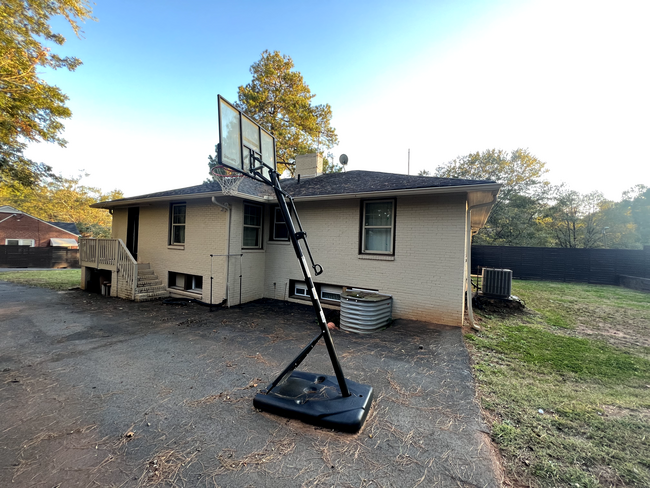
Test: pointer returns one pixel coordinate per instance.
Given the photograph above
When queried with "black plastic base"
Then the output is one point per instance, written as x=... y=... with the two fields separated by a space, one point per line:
x=316 y=399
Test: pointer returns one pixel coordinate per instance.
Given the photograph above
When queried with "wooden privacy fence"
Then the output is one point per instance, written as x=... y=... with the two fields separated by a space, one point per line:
x=597 y=266
x=38 y=257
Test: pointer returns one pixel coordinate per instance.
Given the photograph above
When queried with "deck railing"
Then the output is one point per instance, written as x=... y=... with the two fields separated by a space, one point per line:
x=98 y=253
x=127 y=268
x=113 y=255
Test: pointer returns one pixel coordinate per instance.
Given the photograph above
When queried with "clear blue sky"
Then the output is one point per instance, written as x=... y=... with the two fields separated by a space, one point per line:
x=569 y=80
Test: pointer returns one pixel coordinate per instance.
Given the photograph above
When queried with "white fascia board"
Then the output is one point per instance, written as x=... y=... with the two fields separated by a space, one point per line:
x=492 y=187
x=136 y=202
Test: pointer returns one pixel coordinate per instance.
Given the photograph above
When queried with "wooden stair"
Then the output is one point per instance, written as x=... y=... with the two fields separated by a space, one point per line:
x=149 y=287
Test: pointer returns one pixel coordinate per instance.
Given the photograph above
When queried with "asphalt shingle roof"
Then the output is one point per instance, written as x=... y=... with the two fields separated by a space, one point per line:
x=350 y=182
x=68 y=226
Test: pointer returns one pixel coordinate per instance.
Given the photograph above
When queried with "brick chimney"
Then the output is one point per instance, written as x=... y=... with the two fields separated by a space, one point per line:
x=309 y=165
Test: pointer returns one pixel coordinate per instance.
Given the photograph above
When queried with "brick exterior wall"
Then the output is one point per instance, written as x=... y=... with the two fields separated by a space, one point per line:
x=205 y=234
x=28 y=227
x=425 y=276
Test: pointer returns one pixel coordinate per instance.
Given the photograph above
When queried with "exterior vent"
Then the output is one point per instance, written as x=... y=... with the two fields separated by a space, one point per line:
x=496 y=282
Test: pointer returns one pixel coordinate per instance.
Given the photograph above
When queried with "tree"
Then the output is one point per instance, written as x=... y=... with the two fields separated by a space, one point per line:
x=280 y=101
x=63 y=200
x=516 y=219
x=424 y=172
x=30 y=109
x=519 y=172
x=639 y=205
x=330 y=166
x=575 y=220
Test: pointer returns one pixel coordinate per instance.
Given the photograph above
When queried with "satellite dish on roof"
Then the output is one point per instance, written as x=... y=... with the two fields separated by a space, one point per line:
x=343 y=159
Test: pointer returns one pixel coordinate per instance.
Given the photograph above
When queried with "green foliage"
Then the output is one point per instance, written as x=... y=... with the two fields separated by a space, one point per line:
x=531 y=212
x=574 y=220
x=63 y=200
x=516 y=219
x=280 y=101
x=519 y=171
x=30 y=109
x=329 y=166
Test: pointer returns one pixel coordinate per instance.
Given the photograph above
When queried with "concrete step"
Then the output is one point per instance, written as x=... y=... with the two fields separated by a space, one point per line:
x=150 y=289
x=146 y=272
x=147 y=297
x=145 y=281
x=144 y=265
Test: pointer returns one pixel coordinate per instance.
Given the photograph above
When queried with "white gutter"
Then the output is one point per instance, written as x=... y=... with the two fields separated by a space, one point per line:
x=468 y=250
x=408 y=191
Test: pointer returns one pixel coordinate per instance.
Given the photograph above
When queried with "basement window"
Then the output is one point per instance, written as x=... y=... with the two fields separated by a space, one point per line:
x=300 y=289
x=331 y=293
x=185 y=282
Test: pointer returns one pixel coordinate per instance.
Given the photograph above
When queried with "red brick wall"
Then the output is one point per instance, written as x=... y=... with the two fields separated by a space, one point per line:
x=26 y=227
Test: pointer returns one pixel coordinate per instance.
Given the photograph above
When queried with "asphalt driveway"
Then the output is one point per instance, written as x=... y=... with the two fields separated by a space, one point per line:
x=97 y=391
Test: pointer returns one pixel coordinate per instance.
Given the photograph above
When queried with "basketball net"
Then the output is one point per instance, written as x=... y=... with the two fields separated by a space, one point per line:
x=227 y=178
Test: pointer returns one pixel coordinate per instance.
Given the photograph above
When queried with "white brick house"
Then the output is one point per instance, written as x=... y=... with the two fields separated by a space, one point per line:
x=406 y=236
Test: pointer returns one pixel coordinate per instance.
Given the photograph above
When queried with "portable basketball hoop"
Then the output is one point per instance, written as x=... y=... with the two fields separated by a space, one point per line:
x=246 y=149
x=228 y=179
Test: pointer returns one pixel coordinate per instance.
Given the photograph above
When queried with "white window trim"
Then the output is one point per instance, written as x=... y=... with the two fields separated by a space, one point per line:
x=299 y=285
x=259 y=227
x=21 y=242
x=364 y=227
x=173 y=225
x=277 y=211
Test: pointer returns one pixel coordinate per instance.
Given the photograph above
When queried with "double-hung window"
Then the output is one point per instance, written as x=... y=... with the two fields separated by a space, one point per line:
x=279 y=229
x=378 y=227
x=178 y=217
x=252 y=226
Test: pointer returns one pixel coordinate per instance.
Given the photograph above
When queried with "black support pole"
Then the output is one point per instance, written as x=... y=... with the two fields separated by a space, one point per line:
x=281 y=197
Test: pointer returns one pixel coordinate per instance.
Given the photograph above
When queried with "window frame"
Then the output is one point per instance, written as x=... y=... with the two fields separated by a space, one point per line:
x=303 y=286
x=32 y=242
x=321 y=288
x=173 y=225
x=189 y=282
x=275 y=210
x=259 y=227
x=362 y=227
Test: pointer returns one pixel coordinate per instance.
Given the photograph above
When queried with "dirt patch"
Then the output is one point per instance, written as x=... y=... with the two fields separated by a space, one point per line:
x=618 y=412
x=618 y=327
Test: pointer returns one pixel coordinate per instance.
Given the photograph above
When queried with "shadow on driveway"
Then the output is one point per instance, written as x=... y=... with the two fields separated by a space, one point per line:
x=103 y=392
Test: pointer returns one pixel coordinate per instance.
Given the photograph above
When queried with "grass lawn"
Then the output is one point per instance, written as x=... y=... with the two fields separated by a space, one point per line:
x=566 y=385
x=56 y=279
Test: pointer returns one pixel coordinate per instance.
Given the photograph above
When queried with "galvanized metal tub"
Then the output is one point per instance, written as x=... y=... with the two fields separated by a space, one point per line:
x=365 y=312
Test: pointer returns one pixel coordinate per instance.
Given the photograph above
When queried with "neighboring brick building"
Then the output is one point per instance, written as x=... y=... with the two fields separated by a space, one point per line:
x=19 y=228
x=406 y=236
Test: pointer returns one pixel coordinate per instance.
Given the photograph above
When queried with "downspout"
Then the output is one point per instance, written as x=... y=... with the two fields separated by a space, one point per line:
x=468 y=250
x=227 y=207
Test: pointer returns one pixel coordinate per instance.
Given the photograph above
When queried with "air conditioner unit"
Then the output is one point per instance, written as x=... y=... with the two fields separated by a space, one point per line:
x=496 y=282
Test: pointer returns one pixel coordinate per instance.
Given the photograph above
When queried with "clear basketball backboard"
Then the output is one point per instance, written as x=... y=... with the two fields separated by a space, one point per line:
x=238 y=135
